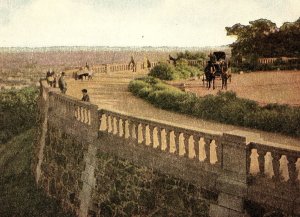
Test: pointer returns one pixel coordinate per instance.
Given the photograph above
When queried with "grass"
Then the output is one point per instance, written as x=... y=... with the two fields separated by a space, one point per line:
x=224 y=107
x=20 y=195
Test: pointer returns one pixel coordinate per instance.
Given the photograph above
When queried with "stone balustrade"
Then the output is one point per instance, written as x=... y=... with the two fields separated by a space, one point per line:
x=107 y=68
x=100 y=69
x=272 y=60
x=267 y=60
x=71 y=108
x=279 y=164
x=236 y=165
x=201 y=146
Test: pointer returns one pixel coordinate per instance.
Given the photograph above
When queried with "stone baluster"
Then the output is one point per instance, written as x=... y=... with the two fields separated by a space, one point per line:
x=82 y=118
x=276 y=166
x=136 y=131
x=86 y=117
x=261 y=161
x=168 y=132
x=158 y=129
x=144 y=134
x=85 y=112
x=186 y=144
x=207 y=149
x=292 y=169
x=124 y=128
x=108 y=123
x=75 y=111
x=80 y=113
x=89 y=117
x=117 y=129
x=196 y=146
x=177 y=134
x=151 y=138
x=219 y=152
x=112 y=120
x=129 y=129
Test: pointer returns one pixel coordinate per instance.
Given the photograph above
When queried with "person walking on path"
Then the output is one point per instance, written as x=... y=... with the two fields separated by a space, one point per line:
x=62 y=84
x=85 y=96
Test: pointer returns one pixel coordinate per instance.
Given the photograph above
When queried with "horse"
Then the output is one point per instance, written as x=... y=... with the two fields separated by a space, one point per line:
x=90 y=76
x=225 y=74
x=209 y=73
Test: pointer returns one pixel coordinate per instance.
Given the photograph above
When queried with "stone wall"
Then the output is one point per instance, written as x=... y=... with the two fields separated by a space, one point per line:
x=62 y=167
x=108 y=163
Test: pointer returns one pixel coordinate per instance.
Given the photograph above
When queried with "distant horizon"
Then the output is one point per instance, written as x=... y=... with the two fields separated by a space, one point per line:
x=114 y=48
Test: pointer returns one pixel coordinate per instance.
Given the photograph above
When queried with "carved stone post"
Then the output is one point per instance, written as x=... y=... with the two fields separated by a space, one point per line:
x=235 y=151
x=151 y=138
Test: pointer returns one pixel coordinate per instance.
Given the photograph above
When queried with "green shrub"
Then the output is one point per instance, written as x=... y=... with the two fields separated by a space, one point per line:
x=165 y=71
x=225 y=107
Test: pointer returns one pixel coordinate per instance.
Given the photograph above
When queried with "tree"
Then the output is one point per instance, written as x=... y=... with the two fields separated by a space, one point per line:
x=262 y=38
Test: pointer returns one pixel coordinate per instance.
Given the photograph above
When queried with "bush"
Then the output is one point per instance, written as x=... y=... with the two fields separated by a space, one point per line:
x=18 y=111
x=165 y=71
x=224 y=107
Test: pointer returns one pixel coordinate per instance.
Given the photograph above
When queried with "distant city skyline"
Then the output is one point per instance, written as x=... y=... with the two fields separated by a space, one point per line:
x=114 y=23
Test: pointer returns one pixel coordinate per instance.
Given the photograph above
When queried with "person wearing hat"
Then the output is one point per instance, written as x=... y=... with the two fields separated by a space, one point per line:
x=62 y=84
x=85 y=96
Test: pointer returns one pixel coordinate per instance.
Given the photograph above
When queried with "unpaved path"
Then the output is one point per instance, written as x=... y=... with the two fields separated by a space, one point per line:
x=110 y=92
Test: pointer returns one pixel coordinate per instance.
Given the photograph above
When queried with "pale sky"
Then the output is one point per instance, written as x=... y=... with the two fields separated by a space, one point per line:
x=182 y=23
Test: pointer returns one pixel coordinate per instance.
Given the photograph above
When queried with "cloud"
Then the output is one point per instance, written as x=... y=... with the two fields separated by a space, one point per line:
x=134 y=22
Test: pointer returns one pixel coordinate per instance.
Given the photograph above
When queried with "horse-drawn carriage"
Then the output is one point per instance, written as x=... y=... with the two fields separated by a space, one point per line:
x=83 y=74
x=217 y=67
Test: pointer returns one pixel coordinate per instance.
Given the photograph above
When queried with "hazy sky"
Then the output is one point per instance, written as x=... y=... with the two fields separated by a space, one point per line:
x=133 y=22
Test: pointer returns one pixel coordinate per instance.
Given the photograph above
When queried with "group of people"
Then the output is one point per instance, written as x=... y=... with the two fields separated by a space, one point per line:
x=52 y=81
x=55 y=80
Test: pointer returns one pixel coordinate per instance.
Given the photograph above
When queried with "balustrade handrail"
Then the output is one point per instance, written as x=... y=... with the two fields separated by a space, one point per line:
x=72 y=100
x=277 y=148
x=163 y=124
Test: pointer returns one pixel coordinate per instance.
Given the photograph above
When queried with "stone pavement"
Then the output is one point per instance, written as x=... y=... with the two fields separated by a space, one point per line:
x=109 y=91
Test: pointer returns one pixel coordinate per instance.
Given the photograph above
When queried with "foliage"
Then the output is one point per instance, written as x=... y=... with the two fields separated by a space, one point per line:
x=262 y=38
x=165 y=71
x=225 y=107
x=19 y=193
x=191 y=55
x=129 y=190
x=18 y=111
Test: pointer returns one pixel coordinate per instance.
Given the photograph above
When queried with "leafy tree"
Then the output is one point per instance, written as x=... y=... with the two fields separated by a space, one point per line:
x=262 y=38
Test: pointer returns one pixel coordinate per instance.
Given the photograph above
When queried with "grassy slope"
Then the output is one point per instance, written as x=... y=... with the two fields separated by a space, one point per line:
x=19 y=195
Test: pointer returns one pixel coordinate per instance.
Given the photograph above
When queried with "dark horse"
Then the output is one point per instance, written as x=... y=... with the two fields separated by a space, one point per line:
x=225 y=70
x=209 y=73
